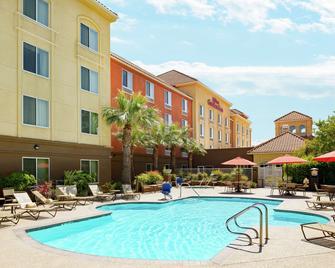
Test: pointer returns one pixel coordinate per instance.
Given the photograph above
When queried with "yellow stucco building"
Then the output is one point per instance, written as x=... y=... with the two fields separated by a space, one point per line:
x=240 y=130
x=54 y=81
x=211 y=112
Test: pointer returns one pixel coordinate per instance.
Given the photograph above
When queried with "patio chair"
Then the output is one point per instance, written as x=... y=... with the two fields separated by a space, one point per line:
x=166 y=190
x=229 y=186
x=128 y=192
x=99 y=195
x=6 y=216
x=8 y=194
x=327 y=230
x=29 y=207
x=247 y=186
x=320 y=204
x=67 y=205
x=69 y=193
x=319 y=193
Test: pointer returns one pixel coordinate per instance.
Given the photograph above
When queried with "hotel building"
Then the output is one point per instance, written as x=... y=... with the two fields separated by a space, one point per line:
x=240 y=131
x=54 y=81
x=173 y=105
x=211 y=112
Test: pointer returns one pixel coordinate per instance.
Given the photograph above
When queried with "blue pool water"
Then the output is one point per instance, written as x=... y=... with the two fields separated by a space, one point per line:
x=188 y=229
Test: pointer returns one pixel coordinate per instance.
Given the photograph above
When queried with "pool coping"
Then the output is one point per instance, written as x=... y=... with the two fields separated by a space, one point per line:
x=22 y=233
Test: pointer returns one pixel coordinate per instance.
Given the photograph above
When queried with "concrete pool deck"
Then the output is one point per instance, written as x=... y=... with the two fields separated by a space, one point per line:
x=286 y=247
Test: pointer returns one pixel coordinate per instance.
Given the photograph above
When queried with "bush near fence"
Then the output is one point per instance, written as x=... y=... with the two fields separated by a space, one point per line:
x=326 y=172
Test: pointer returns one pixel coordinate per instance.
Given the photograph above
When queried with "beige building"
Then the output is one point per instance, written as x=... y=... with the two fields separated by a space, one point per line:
x=211 y=112
x=54 y=80
x=240 y=130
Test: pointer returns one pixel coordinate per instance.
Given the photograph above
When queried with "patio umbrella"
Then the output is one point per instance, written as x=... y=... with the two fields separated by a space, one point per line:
x=286 y=160
x=238 y=162
x=328 y=157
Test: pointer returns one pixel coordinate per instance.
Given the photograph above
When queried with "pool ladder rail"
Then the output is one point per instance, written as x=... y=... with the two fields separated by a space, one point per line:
x=263 y=218
x=189 y=186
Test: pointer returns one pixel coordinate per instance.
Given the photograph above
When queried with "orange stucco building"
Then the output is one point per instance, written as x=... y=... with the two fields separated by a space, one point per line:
x=173 y=105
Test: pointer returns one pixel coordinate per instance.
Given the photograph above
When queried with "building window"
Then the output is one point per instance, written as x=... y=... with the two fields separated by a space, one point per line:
x=89 y=122
x=226 y=122
x=184 y=123
x=168 y=119
x=39 y=167
x=293 y=129
x=284 y=128
x=127 y=80
x=184 y=153
x=88 y=37
x=35 y=112
x=37 y=10
x=242 y=130
x=219 y=119
x=202 y=131
x=211 y=146
x=184 y=106
x=35 y=60
x=167 y=152
x=211 y=133
x=149 y=150
x=238 y=141
x=89 y=80
x=168 y=98
x=148 y=166
x=242 y=142
x=303 y=129
x=211 y=115
x=150 y=90
x=238 y=128
x=201 y=111
x=220 y=135
x=90 y=167
x=166 y=166
x=227 y=138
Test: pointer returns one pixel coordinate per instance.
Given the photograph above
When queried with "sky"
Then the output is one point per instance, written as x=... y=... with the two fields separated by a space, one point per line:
x=267 y=57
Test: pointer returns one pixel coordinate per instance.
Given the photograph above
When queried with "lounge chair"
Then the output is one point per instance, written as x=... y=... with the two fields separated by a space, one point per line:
x=327 y=230
x=320 y=204
x=166 y=190
x=31 y=208
x=68 y=205
x=99 y=195
x=69 y=193
x=6 y=216
x=128 y=192
x=8 y=194
x=319 y=193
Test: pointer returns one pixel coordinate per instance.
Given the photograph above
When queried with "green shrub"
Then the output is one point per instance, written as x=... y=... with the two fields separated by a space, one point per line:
x=299 y=172
x=222 y=176
x=20 y=181
x=109 y=186
x=151 y=177
x=80 y=179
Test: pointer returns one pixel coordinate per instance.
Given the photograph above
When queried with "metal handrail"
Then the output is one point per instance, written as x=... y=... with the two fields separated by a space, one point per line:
x=189 y=185
x=259 y=234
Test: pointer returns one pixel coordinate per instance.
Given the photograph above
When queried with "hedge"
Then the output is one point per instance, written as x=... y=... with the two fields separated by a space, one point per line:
x=326 y=172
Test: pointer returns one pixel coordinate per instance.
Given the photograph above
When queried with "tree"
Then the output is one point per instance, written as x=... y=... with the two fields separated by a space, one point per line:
x=172 y=140
x=192 y=147
x=324 y=140
x=130 y=113
x=157 y=137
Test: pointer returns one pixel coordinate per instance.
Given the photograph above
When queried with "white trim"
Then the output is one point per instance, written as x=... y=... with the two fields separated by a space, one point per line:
x=89 y=73
x=36 y=158
x=90 y=160
x=36 y=10
x=89 y=123
x=22 y=112
x=126 y=88
x=88 y=47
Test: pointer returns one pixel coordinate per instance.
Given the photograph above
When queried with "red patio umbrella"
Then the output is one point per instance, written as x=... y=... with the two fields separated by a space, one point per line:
x=238 y=162
x=328 y=157
x=287 y=159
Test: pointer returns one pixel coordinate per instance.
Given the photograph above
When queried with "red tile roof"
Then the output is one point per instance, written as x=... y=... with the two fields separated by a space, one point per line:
x=235 y=111
x=174 y=77
x=284 y=143
x=293 y=116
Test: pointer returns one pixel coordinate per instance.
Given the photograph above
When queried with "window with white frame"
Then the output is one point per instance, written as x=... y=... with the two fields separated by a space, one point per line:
x=37 y=10
x=150 y=90
x=35 y=60
x=127 y=80
x=211 y=115
x=167 y=151
x=226 y=122
x=184 y=123
x=89 y=80
x=184 y=106
x=35 y=112
x=238 y=128
x=211 y=133
x=90 y=167
x=37 y=166
x=201 y=111
x=168 y=98
x=148 y=166
x=88 y=37
x=202 y=130
x=89 y=122
x=220 y=135
x=227 y=138
x=166 y=166
x=168 y=119
x=219 y=119
x=149 y=150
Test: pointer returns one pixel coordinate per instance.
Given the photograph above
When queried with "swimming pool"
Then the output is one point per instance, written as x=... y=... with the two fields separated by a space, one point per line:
x=187 y=229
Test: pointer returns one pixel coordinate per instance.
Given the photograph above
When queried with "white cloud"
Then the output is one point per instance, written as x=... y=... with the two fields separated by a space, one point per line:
x=125 y=23
x=117 y=40
x=256 y=14
x=305 y=82
x=120 y=3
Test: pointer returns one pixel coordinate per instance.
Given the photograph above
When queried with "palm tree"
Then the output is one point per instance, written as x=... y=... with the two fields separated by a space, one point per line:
x=156 y=137
x=130 y=113
x=172 y=140
x=192 y=147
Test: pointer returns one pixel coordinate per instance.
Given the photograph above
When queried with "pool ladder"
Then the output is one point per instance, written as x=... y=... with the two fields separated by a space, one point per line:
x=188 y=185
x=263 y=218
